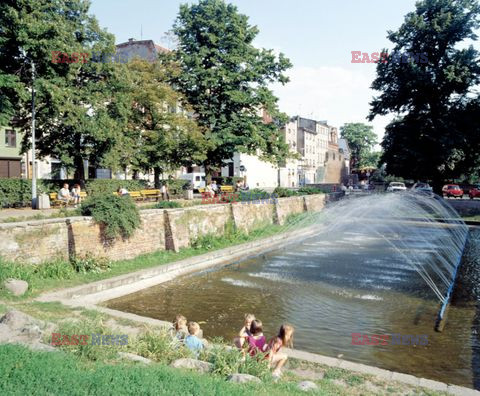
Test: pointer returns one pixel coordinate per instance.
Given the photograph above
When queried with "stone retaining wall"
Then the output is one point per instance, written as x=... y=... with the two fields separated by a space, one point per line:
x=43 y=240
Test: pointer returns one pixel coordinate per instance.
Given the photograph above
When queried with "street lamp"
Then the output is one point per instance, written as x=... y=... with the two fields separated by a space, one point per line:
x=34 y=170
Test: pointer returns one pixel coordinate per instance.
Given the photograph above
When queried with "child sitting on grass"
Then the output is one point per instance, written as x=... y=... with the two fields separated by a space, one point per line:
x=193 y=341
x=277 y=359
x=245 y=331
x=256 y=341
x=180 y=329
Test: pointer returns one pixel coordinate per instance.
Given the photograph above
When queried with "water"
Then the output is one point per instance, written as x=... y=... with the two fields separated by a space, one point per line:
x=354 y=276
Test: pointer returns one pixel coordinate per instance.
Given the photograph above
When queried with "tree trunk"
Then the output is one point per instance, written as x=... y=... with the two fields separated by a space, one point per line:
x=208 y=173
x=156 y=176
x=79 y=169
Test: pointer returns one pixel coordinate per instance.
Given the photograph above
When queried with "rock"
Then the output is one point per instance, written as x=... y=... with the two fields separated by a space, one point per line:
x=16 y=287
x=17 y=320
x=135 y=358
x=15 y=326
x=307 y=386
x=242 y=378
x=193 y=364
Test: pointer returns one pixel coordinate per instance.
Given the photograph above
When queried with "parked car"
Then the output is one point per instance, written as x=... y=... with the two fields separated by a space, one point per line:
x=396 y=186
x=452 y=190
x=422 y=187
x=196 y=178
x=474 y=192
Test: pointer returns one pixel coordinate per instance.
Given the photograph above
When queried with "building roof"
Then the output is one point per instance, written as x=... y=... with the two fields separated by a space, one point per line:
x=145 y=49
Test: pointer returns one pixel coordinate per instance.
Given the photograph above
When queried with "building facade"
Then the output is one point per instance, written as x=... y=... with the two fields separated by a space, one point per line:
x=321 y=158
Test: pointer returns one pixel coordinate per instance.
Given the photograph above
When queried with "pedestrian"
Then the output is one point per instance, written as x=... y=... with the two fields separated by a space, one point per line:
x=64 y=194
x=164 y=191
x=76 y=194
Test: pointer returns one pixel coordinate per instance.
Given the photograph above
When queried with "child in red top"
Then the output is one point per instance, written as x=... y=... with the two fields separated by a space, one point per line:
x=256 y=341
x=276 y=358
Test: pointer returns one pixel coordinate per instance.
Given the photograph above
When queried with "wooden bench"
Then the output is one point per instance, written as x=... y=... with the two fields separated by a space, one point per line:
x=54 y=201
x=149 y=194
x=201 y=190
x=227 y=189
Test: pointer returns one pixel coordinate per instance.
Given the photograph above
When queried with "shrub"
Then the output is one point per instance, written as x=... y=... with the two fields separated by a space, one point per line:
x=253 y=195
x=90 y=263
x=176 y=186
x=15 y=192
x=310 y=190
x=88 y=327
x=167 y=204
x=159 y=345
x=283 y=192
x=118 y=215
x=57 y=269
x=227 y=361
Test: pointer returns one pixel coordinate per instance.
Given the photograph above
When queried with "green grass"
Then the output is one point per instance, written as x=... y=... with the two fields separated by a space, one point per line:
x=62 y=274
x=55 y=373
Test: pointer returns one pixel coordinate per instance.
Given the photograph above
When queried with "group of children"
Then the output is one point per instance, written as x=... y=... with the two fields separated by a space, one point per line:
x=250 y=339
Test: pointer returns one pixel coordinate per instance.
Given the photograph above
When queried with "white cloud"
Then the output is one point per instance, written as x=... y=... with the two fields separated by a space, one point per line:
x=338 y=95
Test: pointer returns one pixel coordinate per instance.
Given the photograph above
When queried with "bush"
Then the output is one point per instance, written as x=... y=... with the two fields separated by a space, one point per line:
x=227 y=361
x=311 y=190
x=89 y=263
x=118 y=215
x=283 y=192
x=160 y=346
x=253 y=195
x=176 y=186
x=88 y=327
x=15 y=192
x=167 y=204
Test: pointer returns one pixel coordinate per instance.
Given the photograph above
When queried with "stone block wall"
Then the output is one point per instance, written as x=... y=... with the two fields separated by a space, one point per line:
x=44 y=240
x=314 y=203
x=187 y=224
x=87 y=238
x=288 y=206
x=250 y=216
x=34 y=242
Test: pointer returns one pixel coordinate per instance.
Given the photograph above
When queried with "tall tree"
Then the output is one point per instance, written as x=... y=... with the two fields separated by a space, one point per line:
x=80 y=111
x=225 y=79
x=159 y=134
x=361 y=140
x=431 y=97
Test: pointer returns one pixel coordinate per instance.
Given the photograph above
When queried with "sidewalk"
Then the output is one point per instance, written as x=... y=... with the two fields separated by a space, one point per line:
x=26 y=213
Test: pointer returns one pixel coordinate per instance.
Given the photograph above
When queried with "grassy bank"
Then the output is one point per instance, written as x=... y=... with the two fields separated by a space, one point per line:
x=47 y=373
x=61 y=274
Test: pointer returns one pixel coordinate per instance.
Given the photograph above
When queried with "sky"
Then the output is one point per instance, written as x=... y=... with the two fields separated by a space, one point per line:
x=318 y=37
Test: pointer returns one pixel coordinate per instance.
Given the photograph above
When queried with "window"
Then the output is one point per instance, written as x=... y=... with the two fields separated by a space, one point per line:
x=10 y=138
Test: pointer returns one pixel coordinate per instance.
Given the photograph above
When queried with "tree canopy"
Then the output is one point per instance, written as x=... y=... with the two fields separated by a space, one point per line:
x=225 y=79
x=434 y=135
x=80 y=110
x=361 y=141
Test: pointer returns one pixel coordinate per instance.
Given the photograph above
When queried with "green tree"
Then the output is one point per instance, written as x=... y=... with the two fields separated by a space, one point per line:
x=80 y=110
x=159 y=134
x=432 y=97
x=225 y=79
x=361 y=140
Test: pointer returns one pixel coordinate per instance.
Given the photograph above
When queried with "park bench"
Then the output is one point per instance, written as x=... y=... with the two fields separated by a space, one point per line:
x=151 y=194
x=135 y=195
x=227 y=189
x=54 y=201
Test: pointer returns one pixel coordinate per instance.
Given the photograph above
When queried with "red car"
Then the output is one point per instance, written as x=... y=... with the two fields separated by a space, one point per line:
x=452 y=190
x=474 y=192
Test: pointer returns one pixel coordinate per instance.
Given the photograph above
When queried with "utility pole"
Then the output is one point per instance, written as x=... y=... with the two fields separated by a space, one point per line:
x=34 y=171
